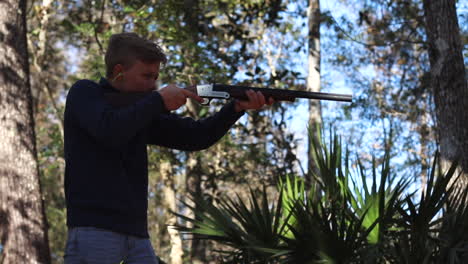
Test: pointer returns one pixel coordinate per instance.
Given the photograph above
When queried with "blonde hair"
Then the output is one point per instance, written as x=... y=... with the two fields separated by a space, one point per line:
x=126 y=48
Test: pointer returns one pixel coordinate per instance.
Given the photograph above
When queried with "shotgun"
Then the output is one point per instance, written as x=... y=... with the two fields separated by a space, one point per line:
x=223 y=91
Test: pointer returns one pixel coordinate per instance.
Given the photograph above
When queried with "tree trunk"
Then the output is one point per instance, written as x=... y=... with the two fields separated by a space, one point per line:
x=23 y=229
x=170 y=200
x=448 y=81
x=193 y=170
x=194 y=185
x=313 y=82
x=424 y=139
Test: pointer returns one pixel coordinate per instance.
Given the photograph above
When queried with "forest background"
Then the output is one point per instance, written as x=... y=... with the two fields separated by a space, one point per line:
x=381 y=51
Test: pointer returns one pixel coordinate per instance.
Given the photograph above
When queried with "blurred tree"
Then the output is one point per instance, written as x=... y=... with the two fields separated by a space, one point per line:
x=449 y=83
x=313 y=81
x=49 y=72
x=23 y=226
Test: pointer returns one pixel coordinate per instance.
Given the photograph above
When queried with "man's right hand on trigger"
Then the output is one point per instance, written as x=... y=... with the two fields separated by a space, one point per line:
x=174 y=97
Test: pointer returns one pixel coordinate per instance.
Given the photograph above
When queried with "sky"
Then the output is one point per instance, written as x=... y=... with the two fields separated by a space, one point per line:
x=339 y=79
x=300 y=114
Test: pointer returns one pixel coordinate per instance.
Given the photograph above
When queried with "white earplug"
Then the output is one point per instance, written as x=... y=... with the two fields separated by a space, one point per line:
x=117 y=76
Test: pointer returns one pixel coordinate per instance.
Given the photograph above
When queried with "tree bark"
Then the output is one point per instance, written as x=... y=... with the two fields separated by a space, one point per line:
x=313 y=82
x=23 y=228
x=170 y=200
x=193 y=185
x=191 y=13
x=424 y=139
x=448 y=81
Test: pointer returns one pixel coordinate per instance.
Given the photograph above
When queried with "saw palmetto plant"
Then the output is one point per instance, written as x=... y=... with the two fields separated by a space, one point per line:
x=251 y=229
x=346 y=216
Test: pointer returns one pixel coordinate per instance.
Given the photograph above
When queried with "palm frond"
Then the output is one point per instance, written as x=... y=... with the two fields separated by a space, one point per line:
x=251 y=229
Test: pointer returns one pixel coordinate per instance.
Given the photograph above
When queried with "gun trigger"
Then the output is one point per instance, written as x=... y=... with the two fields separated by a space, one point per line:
x=206 y=101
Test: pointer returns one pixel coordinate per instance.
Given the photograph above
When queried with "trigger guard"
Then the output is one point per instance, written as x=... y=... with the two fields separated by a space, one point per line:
x=206 y=101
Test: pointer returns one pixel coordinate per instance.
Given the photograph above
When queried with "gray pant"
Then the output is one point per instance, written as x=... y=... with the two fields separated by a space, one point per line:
x=90 y=245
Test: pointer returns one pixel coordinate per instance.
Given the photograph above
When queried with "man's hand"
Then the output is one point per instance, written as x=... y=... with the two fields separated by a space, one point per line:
x=174 y=97
x=256 y=101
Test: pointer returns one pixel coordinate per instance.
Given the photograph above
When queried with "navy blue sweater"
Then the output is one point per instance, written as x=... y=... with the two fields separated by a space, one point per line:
x=106 y=174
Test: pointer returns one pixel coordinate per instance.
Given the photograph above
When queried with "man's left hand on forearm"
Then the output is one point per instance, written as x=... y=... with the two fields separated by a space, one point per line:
x=255 y=101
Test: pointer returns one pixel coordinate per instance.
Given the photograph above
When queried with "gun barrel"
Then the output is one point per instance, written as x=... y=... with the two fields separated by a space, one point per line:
x=238 y=91
x=326 y=96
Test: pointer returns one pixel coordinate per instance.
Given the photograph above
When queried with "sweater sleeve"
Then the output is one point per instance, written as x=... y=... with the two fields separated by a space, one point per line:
x=111 y=126
x=172 y=131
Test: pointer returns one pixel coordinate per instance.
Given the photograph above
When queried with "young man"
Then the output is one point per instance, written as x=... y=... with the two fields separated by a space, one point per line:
x=106 y=176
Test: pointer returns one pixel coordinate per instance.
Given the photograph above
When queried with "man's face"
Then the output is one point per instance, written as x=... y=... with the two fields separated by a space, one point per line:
x=140 y=77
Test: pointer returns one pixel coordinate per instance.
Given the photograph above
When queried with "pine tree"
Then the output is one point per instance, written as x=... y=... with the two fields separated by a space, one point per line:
x=23 y=230
x=448 y=81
